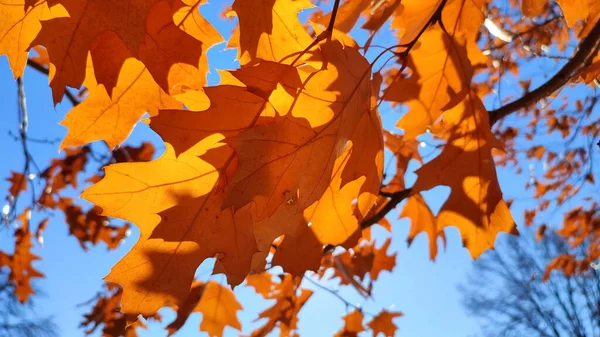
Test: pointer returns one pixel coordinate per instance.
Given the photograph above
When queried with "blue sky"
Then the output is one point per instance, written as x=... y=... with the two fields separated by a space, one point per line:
x=424 y=291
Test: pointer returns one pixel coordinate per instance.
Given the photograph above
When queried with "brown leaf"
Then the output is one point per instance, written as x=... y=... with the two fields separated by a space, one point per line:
x=20 y=262
x=383 y=323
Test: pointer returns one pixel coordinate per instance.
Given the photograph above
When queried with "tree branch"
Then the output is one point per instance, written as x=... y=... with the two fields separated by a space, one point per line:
x=587 y=48
x=395 y=199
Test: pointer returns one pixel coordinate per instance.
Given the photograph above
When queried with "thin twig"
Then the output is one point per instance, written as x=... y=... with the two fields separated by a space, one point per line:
x=337 y=295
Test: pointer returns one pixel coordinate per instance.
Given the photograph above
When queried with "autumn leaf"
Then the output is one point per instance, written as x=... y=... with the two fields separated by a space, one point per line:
x=412 y=16
x=352 y=324
x=217 y=304
x=18 y=183
x=299 y=252
x=441 y=78
x=575 y=10
x=19 y=27
x=262 y=283
x=475 y=204
x=270 y=30
x=91 y=227
x=111 y=118
x=383 y=323
x=382 y=261
x=280 y=164
x=283 y=314
x=177 y=69
x=69 y=39
x=106 y=312
x=20 y=262
x=347 y=15
x=533 y=8
x=422 y=220
x=380 y=14
x=181 y=196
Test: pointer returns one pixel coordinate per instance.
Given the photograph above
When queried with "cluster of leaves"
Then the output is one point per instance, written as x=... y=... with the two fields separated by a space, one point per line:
x=283 y=161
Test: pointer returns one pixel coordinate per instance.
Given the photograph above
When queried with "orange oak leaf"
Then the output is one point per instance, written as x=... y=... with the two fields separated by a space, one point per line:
x=61 y=173
x=176 y=70
x=19 y=26
x=441 y=78
x=412 y=16
x=106 y=312
x=91 y=227
x=383 y=323
x=352 y=324
x=18 y=183
x=295 y=151
x=111 y=118
x=465 y=17
x=533 y=8
x=275 y=110
x=575 y=10
x=186 y=16
x=184 y=128
x=379 y=14
x=382 y=261
x=475 y=204
x=299 y=252
x=175 y=46
x=20 y=262
x=270 y=30
x=69 y=39
x=216 y=303
x=347 y=15
x=171 y=192
x=422 y=220
x=335 y=227
x=284 y=312
x=262 y=283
